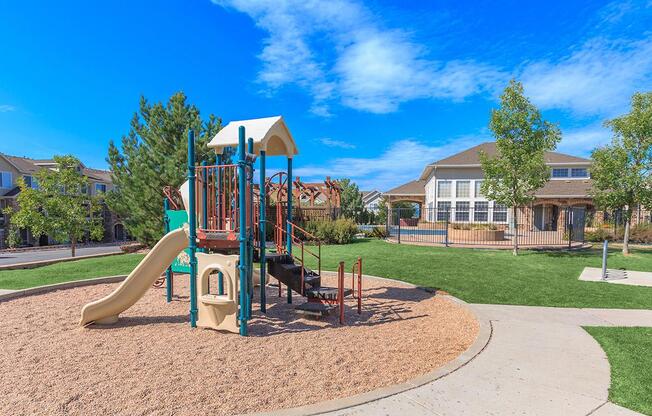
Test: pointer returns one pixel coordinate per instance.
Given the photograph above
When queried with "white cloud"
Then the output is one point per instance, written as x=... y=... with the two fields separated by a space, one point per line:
x=597 y=79
x=327 y=141
x=401 y=162
x=581 y=141
x=6 y=108
x=338 y=50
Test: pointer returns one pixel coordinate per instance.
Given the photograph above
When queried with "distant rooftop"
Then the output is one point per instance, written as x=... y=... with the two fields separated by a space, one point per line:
x=471 y=157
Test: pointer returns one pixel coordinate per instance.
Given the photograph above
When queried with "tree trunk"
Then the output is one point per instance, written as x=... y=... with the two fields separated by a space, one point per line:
x=626 y=237
x=515 y=229
x=73 y=243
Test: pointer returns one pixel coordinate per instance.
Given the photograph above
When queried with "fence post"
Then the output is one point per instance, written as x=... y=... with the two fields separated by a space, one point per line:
x=398 y=219
x=569 y=219
x=387 y=222
x=448 y=213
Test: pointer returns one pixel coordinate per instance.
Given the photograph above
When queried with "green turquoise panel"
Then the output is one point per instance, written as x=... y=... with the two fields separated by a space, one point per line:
x=177 y=219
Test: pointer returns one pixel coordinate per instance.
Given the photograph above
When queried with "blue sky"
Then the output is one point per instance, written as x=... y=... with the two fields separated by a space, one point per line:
x=371 y=90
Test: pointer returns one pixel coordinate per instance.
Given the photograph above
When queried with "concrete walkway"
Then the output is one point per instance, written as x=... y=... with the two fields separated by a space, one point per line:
x=620 y=277
x=539 y=361
x=9 y=258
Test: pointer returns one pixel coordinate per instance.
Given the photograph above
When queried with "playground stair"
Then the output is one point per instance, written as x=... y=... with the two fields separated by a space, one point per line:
x=282 y=267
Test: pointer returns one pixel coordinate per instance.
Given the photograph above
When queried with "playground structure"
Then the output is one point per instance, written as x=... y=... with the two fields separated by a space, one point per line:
x=224 y=234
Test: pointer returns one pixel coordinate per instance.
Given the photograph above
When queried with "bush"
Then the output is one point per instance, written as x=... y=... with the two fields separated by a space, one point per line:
x=472 y=226
x=641 y=233
x=377 y=232
x=341 y=231
x=598 y=235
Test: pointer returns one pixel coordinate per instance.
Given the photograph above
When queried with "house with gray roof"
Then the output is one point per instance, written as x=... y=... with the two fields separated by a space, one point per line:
x=13 y=167
x=451 y=189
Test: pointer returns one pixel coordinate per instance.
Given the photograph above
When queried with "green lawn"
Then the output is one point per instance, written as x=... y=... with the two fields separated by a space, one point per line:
x=495 y=276
x=67 y=271
x=628 y=350
x=477 y=276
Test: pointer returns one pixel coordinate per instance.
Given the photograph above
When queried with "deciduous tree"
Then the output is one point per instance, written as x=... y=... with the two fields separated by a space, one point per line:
x=621 y=170
x=61 y=205
x=518 y=168
x=351 y=202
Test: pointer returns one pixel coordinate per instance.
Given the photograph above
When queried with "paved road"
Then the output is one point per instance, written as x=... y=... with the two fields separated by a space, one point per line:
x=539 y=361
x=47 y=254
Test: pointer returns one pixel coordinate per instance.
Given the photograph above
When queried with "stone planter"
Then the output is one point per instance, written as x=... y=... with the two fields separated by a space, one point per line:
x=476 y=235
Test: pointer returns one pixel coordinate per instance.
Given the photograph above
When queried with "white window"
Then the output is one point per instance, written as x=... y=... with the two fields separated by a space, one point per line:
x=444 y=189
x=443 y=210
x=100 y=187
x=463 y=189
x=461 y=211
x=5 y=180
x=500 y=213
x=579 y=173
x=478 y=191
x=560 y=173
x=481 y=211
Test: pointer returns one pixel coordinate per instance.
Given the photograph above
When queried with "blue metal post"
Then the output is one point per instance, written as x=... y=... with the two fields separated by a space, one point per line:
x=192 y=219
x=262 y=238
x=289 y=219
x=218 y=208
x=242 y=267
x=168 y=272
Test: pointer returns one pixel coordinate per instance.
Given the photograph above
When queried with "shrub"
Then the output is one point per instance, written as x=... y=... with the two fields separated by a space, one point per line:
x=641 y=233
x=341 y=231
x=473 y=226
x=377 y=232
x=598 y=235
x=345 y=231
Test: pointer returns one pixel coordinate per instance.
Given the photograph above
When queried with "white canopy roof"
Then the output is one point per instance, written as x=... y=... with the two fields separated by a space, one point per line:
x=270 y=134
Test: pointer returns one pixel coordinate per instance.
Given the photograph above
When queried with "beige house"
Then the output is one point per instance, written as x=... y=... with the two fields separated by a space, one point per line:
x=451 y=186
x=12 y=168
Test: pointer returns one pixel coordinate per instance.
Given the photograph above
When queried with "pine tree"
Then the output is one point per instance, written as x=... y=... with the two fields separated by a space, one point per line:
x=154 y=155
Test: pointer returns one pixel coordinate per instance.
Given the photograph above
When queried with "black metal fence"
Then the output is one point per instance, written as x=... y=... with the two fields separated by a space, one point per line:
x=538 y=226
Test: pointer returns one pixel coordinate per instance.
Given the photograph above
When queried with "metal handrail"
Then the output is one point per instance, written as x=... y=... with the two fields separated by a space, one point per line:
x=357 y=266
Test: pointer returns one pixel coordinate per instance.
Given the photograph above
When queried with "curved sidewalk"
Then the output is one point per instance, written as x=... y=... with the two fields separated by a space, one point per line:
x=539 y=361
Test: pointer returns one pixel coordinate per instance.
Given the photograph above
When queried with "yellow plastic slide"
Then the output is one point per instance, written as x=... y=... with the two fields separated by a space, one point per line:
x=107 y=309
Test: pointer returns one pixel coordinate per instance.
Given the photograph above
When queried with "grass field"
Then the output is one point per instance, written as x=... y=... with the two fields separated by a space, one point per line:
x=495 y=276
x=477 y=276
x=68 y=271
x=628 y=350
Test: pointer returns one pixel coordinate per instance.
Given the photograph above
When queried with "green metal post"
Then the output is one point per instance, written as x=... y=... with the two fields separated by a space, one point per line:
x=250 y=231
x=242 y=217
x=192 y=219
x=262 y=238
x=168 y=272
x=289 y=219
